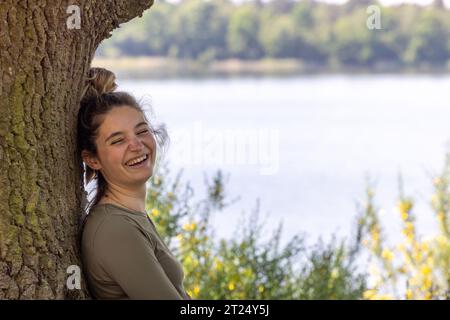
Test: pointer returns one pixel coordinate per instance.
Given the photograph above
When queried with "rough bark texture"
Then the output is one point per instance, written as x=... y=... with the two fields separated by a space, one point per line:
x=43 y=66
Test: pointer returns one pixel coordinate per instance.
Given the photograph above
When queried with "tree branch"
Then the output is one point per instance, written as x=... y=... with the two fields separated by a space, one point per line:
x=108 y=15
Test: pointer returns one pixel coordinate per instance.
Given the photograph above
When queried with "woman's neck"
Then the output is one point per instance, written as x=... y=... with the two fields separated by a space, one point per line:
x=131 y=199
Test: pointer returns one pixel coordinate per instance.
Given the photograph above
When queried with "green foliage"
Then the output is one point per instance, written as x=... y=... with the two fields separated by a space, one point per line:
x=352 y=45
x=313 y=32
x=242 y=36
x=197 y=27
x=281 y=39
x=252 y=264
x=429 y=42
x=329 y=274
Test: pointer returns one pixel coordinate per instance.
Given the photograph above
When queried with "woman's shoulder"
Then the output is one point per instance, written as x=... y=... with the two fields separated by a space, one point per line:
x=105 y=223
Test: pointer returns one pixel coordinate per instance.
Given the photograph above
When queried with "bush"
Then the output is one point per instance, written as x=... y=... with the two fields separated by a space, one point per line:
x=246 y=266
x=418 y=267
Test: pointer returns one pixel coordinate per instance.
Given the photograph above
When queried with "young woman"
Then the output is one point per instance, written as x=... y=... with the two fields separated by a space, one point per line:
x=123 y=255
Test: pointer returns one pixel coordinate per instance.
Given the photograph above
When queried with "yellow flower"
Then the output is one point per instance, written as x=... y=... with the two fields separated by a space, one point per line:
x=426 y=284
x=189 y=226
x=404 y=215
x=425 y=270
x=408 y=231
x=375 y=235
x=409 y=294
x=387 y=254
x=155 y=212
x=196 y=290
x=409 y=227
x=369 y=294
x=334 y=273
x=261 y=288
x=188 y=260
x=424 y=246
x=405 y=206
x=231 y=286
x=384 y=297
x=218 y=264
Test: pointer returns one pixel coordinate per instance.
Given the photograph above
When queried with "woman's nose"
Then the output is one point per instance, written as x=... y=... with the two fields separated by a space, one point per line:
x=136 y=144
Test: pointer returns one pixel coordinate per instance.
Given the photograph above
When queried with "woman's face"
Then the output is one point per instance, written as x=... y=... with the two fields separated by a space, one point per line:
x=124 y=138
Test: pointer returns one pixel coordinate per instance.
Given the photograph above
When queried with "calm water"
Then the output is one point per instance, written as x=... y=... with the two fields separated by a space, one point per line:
x=310 y=143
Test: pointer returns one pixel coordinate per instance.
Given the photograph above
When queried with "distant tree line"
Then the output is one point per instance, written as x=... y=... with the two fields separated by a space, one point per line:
x=313 y=32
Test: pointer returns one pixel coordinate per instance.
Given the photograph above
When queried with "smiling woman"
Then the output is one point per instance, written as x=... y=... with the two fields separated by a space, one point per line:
x=123 y=255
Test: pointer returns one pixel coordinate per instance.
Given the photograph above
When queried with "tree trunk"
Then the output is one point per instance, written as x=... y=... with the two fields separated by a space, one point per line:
x=43 y=66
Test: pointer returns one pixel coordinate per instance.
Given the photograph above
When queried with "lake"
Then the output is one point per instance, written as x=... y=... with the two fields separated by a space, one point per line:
x=304 y=146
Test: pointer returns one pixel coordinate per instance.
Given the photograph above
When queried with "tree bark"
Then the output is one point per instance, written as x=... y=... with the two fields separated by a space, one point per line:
x=43 y=66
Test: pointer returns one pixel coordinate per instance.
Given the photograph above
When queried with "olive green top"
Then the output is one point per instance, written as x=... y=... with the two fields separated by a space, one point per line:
x=125 y=258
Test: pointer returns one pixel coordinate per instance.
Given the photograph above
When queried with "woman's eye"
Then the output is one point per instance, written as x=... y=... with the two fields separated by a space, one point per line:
x=116 y=142
x=120 y=140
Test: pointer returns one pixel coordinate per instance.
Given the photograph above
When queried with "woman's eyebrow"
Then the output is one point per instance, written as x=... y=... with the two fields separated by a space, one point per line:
x=120 y=132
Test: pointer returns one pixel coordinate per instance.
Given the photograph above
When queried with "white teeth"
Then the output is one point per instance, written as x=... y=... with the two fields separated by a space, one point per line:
x=136 y=160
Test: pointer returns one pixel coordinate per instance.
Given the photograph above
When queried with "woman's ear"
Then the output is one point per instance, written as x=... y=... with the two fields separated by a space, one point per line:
x=91 y=160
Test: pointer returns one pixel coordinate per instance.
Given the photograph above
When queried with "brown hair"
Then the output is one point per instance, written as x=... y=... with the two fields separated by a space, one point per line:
x=98 y=99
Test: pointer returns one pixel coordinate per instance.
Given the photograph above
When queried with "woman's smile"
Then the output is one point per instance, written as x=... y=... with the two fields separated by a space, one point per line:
x=138 y=162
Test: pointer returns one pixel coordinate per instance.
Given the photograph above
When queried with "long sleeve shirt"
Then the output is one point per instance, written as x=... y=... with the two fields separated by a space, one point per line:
x=125 y=258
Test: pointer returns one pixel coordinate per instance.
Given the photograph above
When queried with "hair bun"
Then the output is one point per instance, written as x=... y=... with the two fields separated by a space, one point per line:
x=100 y=81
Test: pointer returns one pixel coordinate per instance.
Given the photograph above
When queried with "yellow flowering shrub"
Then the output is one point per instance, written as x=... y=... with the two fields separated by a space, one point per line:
x=417 y=267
